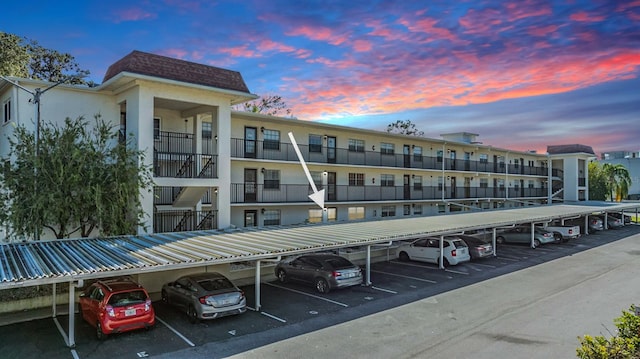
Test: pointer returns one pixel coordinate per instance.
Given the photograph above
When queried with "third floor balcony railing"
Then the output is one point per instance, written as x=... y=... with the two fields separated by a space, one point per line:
x=241 y=148
x=284 y=193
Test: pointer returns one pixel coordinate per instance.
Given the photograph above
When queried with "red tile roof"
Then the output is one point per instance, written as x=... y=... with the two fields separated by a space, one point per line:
x=178 y=70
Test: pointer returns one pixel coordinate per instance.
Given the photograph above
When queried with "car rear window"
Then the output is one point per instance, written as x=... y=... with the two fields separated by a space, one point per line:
x=127 y=298
x=338 y=262
x=458 y=243
x=215 y=284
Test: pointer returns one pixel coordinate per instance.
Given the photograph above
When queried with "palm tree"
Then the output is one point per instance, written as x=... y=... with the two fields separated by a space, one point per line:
x=618 y=180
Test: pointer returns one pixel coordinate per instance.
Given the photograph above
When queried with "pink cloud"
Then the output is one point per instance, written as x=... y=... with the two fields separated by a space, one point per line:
x=429 y=26
x=319 y=34
x=542 y=31
x=362 y=45
x=133 y=14
x=239 y=51
x=518 y=10
x=583 y=16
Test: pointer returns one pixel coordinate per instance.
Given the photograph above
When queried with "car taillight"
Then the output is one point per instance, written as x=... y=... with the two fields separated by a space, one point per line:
x=110 y=311
x=241 y=294
x=571 y=231
x=336 y=274
x=453 y=253
x=147 y=305
x=203 y=300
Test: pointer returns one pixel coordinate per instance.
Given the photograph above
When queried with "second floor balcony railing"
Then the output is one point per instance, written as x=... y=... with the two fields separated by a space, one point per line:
x=241 y=148
x=257 y=193
x=182 y=221
x=185 y=165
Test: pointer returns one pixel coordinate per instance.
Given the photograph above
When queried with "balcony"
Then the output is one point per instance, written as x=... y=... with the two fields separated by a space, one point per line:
x=169 y=195
x=175 y=155
x=241 y=148
x=256 y=193
x=182 y=221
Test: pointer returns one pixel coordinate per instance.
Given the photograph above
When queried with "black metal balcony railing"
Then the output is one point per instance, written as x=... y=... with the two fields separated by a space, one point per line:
x=241 y=148
x=185 y=165
x=255 y=193
x=181 y=221
x=178 y=142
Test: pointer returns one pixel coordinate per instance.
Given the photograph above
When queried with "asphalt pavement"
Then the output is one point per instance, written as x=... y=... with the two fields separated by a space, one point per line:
x=538 y=312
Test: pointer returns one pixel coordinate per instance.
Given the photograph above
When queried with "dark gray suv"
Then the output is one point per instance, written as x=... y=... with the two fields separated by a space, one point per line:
x=324 y=271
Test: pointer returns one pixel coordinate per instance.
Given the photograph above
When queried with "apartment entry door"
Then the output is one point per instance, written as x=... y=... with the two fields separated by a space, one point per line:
x=250 y=139
x=250 y=184
x=331 y=186
x=250 y=218
x=453 y=187
x=331 y=149
x=406 y=154
x=407 y=186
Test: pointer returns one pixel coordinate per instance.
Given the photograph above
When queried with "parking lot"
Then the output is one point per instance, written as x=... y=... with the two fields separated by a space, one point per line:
x=287 y=309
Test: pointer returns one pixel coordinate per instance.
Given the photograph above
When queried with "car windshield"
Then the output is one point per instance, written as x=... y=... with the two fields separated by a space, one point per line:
x=338 y=262
x=127 y=298
x=215 y=284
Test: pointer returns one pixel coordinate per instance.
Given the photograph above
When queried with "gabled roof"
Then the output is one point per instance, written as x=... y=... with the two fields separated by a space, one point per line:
x=143 y=63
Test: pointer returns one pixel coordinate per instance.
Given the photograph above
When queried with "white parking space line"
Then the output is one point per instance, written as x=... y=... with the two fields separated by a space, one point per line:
x=176 y=332
x=308 y=295
x=455 y=271
x=273 y=317
x=484 y=265
x=415 y=265
x=405 y=276
x=62 y=332
x=507 y=258
x=384 y=290
x=74 y=354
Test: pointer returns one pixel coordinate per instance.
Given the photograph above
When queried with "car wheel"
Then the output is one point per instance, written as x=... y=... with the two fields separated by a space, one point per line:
x=446 y=262
x=499 y=239
x=165 y=297
x=99 y=333
x=322 y=286
x=192 y=314
x=282 y=276
x=403 y=256
x=558 y=237
x=536 y=243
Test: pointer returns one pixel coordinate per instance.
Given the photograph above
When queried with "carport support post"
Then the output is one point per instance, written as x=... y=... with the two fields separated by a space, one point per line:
x=368 y=270
x=533 y=235
x=493 y=240
x=54 y=307
x=441 y=261
x=258 y=286
x=586 y=224
x=72 y=312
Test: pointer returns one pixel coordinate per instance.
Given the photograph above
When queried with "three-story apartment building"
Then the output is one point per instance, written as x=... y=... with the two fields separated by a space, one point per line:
x=215 y=168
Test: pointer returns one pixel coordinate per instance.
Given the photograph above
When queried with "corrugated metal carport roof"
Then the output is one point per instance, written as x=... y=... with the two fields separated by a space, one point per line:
x=47 y=262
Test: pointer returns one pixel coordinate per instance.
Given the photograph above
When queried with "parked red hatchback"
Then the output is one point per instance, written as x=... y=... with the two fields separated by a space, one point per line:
x=116 y=306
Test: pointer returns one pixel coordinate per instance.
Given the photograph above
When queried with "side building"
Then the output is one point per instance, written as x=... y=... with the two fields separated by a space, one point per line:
x=631 y=160
x=215 y=168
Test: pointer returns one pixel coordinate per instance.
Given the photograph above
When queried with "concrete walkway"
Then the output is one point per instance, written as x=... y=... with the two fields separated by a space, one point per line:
x=534 y=313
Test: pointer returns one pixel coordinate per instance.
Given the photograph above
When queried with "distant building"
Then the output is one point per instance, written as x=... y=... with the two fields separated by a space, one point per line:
x=631 y=160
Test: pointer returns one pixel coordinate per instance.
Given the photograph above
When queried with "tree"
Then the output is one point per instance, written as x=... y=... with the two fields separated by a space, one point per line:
x=83 y=179
x=404 y=127
x=21 y=57
x=624 y=345
x=272 y=105
x=618 y=181
x=597 y=182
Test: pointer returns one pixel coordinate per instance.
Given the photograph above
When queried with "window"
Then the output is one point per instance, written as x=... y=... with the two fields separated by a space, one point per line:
x=271 y=217
x=417 y=153
x=439 y=156
x=484 y=158
x=206 y=130
x=417 y=183
x=271 y=179
x=356 y=145
x=315 y=143
x=531 y=163
x=388 y=211
x=406 y=209
x=530 y=183
x=332 y=214
x=386 y=180
x=516 y=163
x=271 y=140
x=356 y=179
x=501 y=161
x=356 y=213
x=156 y=128
x=501 y=184
x=6 y=111
x=484 y=183
x=386 y=148
x=316 y=176
x=417 y=209
x=315 y=215
x=516 y=186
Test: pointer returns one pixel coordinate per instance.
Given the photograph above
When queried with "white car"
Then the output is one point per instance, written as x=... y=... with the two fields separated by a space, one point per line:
x=428 y=250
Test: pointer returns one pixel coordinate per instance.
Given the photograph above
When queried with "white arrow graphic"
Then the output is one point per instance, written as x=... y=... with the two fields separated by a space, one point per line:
x=317 y=196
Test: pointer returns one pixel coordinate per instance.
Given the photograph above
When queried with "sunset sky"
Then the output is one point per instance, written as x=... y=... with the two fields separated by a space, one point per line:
x=522 y=74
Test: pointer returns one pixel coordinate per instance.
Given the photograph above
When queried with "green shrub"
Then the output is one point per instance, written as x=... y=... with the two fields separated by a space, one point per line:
x=625 y=345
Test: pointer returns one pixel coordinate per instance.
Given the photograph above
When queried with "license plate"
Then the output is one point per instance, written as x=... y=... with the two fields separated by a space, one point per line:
x=129 y=312
x=350 y=275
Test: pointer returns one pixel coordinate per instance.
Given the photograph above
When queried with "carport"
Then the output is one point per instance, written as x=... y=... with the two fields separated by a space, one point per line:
x=75 y=260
